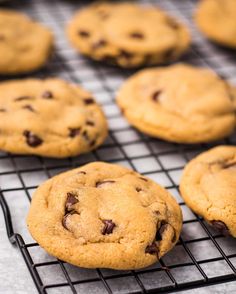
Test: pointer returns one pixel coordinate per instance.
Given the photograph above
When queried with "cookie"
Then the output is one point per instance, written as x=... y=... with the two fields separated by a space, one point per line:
x=179 y=103
x=49 y=118
x=104 y=215
x=216 y=19
x=127 y=34
x=25 y=45
x=208 y=186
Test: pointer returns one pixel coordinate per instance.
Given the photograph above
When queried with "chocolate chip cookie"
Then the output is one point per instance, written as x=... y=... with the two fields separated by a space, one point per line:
x=208 y=186
x=179 y=103
x=25 y=45
x=49 y=117
x=216 y=19
x=127 y=34
x=104 y=215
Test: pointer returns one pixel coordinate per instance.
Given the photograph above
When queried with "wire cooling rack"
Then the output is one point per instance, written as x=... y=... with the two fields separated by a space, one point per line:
x=202 y=256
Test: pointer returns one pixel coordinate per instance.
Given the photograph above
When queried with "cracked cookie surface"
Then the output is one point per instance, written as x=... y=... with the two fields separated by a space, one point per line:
x=25 y=45
x=49 y=117
x=208 y=186
x=104 y=215
x=127 y=34
x=179 y=103
x=216 y=19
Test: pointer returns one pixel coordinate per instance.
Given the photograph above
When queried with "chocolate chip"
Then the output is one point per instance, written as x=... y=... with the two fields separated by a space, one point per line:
x=161 y=230
x=99 y=44
x=82 y=172
x=108 y=226
x=221 y=227
x=84 y=34
x=90 y=123
x=28 y=107
x=65 y=218
x=92 y=143
x=71 y=200
x=229 y=165
x=2 y=110
x=74 y=132
x=144 y=179
x=152 y=249
x=32 y=139
x=85 y=135
x=88 y=101
x=138 y=189
x=172 y=23
x=47 y=95
x=137 y=35
x=125 y=54
x=23 y=98
x=102 y=183
x=169 y=53
x=156 y=95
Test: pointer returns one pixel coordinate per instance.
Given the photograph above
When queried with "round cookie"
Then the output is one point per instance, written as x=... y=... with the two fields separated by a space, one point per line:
x=216 y=19
x=24 y=44
x=104 y=215
x=127 y=34
x=179 y=103
x=49 y=117
x=208 y=186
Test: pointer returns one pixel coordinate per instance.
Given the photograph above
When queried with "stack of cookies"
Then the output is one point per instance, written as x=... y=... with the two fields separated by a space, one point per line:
x=101 y=214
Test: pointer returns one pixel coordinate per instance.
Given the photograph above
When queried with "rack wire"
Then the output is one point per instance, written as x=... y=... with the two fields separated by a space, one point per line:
x=202 y=257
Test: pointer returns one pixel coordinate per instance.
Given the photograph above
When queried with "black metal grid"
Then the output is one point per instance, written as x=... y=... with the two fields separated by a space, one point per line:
x=201 y=257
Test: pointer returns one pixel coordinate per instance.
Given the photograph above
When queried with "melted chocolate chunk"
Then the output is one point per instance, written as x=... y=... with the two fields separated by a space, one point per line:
x=82 y=172
x=71 y=200
x=99 y=44
x=108 y=226
x=137 y=35
x=172 y=23
x=101 y=183
x=125 y=54
x=28 y=107
x=88 y=101
x=74 y=132
x=2 y=110
x=161 y=230
x=31 y=139
x=229 y=165
x=221 y=227
x=152 y=249
x=23 y=98
x=169 y=54
x=138 y=189
x=65 y=218
x=156 y=95
x=83 y=34
x=85 y=135
x=92 y=143
x=143 y=179
x=89 y=123
x=47 y=95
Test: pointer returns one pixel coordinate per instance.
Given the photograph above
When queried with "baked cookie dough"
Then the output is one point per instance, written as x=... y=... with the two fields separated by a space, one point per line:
x=104 y=215
x=49 y=117
x=217 y=20
x=127 y=34
x=179 y=103
x=208 y=186
x=25 y=45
